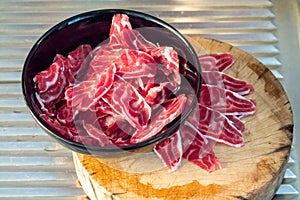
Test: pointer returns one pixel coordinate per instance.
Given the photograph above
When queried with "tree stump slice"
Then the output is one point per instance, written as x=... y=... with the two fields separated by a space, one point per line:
x=253 y=171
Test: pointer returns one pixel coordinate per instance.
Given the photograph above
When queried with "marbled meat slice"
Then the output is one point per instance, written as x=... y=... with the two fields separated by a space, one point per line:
x=50 y=85
x=156 y=95
x=170 y=151
x=52 y=77
x=132 y=39
x=66 y=115
x=168 y=57
x=77 y=58
x=223 y=80
x=125 y=100
x=165 y=114
x=86 y=93
x=119 y=23
x=216 y=62
x=237 y=122
x=226 y=101
x=117 y=128
x=97 y=134
x=216 y=126
x=135 y=64
x=197 y=149
x=65 y=131
x=103 y=57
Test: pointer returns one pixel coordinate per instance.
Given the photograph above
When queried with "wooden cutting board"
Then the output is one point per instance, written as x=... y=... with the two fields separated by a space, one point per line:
x=253 y=171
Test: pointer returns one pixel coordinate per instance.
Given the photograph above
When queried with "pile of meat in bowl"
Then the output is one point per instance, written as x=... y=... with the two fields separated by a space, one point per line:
x=129 y=92
x=120 y=81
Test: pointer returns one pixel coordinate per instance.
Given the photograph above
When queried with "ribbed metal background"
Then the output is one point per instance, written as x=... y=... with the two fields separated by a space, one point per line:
x=32 y=165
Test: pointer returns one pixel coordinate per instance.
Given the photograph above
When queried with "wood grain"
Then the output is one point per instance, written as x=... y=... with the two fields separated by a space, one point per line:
x=253 y=171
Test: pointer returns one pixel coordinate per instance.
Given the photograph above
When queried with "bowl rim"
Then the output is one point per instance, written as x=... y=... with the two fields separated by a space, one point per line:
x=82 y=148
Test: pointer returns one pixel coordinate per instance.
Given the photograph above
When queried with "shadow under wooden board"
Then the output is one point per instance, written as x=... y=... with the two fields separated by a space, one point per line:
x=253 y=171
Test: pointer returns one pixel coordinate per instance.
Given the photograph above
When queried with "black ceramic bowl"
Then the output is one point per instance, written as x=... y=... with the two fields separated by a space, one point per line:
x=93 y=28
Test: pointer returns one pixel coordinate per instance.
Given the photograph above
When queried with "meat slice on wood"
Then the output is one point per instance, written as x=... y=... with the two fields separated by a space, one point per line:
x=170 y=151
x=197 y=149
x=216 y=62
x=226 y=101
x=226 y=81
x=216 y=126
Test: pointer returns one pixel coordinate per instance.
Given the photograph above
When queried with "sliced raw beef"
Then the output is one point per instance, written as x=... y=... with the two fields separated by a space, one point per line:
x=84 y=94
x=102 y=59
x=197 y=149
x=168 y=111
x=223 y=80
x=223 y=61
x=132 y=39
x=208 y=63
x=68 y=132
x=135 y=64
x=50 y=85
x=237 y=122
x=170 y=151
x=119 y=23
x=125 y=100
x=159 y=94
x=101 y=109
x=216 y=62
x=66 y=115
x=168 y=57
x=226 y=101
x=77 y=58
x=118 y=129
x=216 y=126
x=97 y=134
x=52 y=76
x=122 y=93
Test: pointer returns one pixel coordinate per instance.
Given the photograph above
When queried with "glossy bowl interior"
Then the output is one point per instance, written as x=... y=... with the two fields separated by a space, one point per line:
x=93 y=28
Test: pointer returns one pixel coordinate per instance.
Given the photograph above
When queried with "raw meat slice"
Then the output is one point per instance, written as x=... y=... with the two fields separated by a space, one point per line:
x=216 y=62
x=170 y=151
x=84 y=94
x=119 y=23
x=66 y=115
x=223 y=80
x=158 y=94
x=102 y=109
x=216 y=126
x=102 y=59
x=52 y=77
x=197 y=149
x=97 y=134
x=168 y=57
x=125 y=100
x=226 y=101
x=237 y=122
x=68 y=132
x=168 y=111
x=118 y=129
x=208 y=63
x=132 y=39
x=119 y=44
x=224 y=61
x=78 y=57
x=50 y=85
x=135 y=64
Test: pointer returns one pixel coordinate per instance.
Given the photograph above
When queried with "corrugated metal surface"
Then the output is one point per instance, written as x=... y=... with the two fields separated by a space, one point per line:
x=32 y=165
